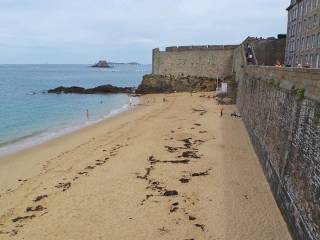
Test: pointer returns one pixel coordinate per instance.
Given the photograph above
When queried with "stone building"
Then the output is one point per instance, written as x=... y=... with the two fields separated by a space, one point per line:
x=303 y=33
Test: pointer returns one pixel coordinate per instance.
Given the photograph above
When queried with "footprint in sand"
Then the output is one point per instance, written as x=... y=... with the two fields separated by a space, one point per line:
x=170 y=193
x=40 y=197
x=203 y=131
x=11 y=233
x=89 y=168
x=189 y=154
x=171 y=149
x=19 y=219
x=38 y=208
x=184 y=180
x=174 y=207
x=199 y=174
x=64 y=186
x=200 y=226
x=100 y=162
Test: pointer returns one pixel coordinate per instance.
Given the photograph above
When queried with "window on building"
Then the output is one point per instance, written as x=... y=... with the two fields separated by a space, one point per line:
x=318 y=61
x=313 y=45
x=318 y=40
x=311 y=60
x=292 y=30
x=305 y=7
x=308 y=42
x=309 y=3
x=309 y=22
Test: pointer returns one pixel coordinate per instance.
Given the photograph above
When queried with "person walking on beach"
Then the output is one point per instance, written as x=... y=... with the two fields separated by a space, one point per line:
x=278 y=64
x=221 y=111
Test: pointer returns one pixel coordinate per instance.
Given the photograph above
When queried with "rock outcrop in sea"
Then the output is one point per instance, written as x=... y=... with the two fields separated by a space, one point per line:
x=167 y=83
x=101 y=64
x=104 y=89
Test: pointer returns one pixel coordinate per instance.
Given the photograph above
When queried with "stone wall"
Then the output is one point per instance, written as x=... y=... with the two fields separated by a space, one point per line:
x=201 y=61
x=284 y=127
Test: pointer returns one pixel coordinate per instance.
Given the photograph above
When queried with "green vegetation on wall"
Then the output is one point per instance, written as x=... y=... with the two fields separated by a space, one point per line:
x=298 y=92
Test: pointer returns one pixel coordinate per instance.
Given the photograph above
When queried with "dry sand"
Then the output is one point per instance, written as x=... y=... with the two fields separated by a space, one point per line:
x=109 y=181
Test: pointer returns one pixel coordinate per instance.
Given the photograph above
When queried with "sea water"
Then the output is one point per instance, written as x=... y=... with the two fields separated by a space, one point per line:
x=29 y=115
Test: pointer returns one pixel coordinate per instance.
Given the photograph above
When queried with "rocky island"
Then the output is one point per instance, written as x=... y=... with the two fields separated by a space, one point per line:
x=101 y=64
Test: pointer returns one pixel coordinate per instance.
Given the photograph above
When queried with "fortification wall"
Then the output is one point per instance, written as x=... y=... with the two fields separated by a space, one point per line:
x=284 y=128
x=200 y=61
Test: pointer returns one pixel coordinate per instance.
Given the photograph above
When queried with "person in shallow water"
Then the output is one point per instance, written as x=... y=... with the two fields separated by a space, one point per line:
x=87 y=114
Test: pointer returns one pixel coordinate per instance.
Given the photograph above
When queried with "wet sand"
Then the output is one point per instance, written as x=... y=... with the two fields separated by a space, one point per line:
x=166 y=170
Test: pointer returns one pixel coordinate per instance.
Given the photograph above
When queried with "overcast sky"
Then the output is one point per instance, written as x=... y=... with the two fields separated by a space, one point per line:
x=84 y=31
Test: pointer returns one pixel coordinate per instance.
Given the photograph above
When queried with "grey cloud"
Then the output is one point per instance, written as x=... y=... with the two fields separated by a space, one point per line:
x=80 y=31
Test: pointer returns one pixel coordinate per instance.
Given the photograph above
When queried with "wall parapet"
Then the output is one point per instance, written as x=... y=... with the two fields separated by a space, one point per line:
x=197 y=48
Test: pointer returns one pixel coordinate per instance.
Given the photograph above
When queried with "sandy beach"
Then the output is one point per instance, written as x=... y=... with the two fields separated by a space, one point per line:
x=165 y=170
